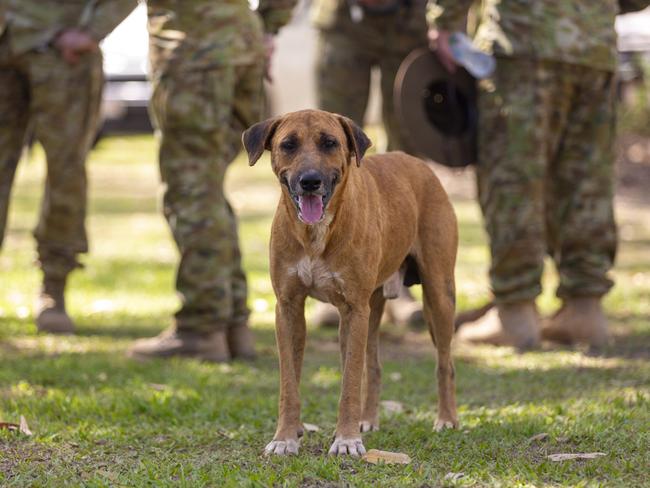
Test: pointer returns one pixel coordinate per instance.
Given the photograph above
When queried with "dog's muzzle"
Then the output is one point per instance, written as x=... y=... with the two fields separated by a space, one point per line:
x=310 y=194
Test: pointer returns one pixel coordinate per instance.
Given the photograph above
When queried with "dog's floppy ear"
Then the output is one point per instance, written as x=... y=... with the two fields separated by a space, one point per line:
x=358 y=141
x=258 y=137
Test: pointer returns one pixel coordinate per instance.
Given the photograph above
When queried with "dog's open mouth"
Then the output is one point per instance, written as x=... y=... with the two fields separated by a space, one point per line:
x=310 y=208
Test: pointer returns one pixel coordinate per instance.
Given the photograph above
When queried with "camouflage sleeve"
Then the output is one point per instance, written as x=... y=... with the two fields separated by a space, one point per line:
x=275 y=13
x=632 y=5
x=100 y=17
x=449 y=15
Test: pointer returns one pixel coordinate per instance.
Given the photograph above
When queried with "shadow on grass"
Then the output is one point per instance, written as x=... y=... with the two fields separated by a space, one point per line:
x=631 y=337
x=478 y=385
x=137 y=327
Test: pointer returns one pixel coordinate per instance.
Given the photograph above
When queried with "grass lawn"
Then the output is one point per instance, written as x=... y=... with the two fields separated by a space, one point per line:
x=99 y=419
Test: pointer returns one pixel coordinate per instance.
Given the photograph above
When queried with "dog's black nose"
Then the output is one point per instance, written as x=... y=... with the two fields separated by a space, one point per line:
x=310 y=180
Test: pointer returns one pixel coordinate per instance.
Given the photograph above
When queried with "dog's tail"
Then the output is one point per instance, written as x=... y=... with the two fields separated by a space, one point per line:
x=472 y=314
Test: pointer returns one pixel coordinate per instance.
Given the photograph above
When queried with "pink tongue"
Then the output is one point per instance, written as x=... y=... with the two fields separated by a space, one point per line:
x=311 y=208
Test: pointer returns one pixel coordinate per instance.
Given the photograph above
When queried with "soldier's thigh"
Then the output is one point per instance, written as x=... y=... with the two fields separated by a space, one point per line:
x=342 y=75
x=198 y=100
x=65 y=101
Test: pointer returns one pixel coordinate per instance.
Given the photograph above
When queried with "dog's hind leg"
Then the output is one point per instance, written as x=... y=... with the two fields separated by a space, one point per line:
x=372 y=371
x=439 y=315
x=436 y=263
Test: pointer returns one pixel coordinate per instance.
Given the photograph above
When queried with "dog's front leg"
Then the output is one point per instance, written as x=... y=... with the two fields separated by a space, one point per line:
x=290 y=338
x=353 y=335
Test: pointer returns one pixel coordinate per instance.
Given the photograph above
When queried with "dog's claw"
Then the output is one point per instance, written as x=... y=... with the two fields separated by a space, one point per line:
x=368 y=426
x=348 y=447
x=282 y=448
x=445 y=424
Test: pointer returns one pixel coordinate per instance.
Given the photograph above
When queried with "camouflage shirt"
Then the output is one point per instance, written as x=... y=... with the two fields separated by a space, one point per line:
x=579 y=32
x=203 y=34
x=33 y=24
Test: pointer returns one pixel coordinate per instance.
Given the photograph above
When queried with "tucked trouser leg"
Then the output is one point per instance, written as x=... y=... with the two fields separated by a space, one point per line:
x=199 y=124
x=510 y=177
x=65 y=109
x=579 y=204
x=14 y=100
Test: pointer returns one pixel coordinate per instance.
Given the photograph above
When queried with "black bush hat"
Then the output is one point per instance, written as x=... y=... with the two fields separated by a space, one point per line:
x=437 y=110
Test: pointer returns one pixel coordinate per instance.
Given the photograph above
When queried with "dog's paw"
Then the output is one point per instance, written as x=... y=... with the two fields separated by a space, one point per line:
x=348 y=447
x=368 y=426
x=442 y=424
x=282 y=448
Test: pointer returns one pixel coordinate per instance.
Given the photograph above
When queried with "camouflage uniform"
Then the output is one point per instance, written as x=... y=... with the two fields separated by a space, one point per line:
x=545 y=140
x=207 y=61
x=60 y=103
x=348 y=51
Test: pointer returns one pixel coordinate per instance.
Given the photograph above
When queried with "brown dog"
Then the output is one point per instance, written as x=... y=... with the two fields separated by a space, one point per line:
x=345 y=227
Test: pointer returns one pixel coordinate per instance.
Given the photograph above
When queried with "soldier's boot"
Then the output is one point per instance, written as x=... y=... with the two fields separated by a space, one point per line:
x=210 y=346
x=405 y=311
x=579 y=320
x=509 y=324
x=51 y=315
x=241 y=342
x=325 y=315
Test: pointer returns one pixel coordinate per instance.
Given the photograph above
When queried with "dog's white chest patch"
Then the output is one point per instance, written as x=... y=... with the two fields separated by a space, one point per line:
x=315 y=275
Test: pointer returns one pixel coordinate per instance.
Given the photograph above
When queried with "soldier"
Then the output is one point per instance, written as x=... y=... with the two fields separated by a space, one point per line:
x=50 y=82
x=545 y=160
x=207 y=61
x=356 y=36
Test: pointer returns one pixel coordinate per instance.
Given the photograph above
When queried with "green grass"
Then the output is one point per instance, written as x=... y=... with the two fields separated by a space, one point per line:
x=100 y=419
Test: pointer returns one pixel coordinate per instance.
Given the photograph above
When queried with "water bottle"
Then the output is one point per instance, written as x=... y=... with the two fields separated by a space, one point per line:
x=477 y=63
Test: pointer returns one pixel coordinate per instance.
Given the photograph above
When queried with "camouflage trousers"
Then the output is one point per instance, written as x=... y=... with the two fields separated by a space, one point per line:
x=59 y=104
x=545 y=176
x=200 y=116
x=348 y=52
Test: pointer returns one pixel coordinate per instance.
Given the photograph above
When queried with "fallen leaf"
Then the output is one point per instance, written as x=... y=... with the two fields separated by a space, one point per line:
x=577 y=455
x=391 y=406
x=311 y=427
x=395 y=376
x=454 y=476
x=157 y=386
x=24 y=428
x=539 y=437
x=375 y=456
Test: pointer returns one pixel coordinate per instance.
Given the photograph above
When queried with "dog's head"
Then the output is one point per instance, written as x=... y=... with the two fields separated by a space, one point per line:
x=311 y=153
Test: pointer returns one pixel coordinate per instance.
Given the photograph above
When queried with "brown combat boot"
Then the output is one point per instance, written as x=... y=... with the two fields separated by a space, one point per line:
x=508 y=324
x=241 y=342
x=580 y=320
x=405 y=311
x=325 y=315
x=51 y=316
x=210 y=346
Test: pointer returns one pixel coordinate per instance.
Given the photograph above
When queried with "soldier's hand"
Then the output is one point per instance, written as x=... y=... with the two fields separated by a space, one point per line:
x=269 y=49
x=74 y=43
x=439 y=43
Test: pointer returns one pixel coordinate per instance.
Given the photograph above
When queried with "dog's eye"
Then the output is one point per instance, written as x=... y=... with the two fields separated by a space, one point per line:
x=329 y=143
x=288 y=145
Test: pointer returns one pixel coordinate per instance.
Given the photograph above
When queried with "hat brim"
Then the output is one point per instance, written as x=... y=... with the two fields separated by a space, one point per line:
x=419 y=70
